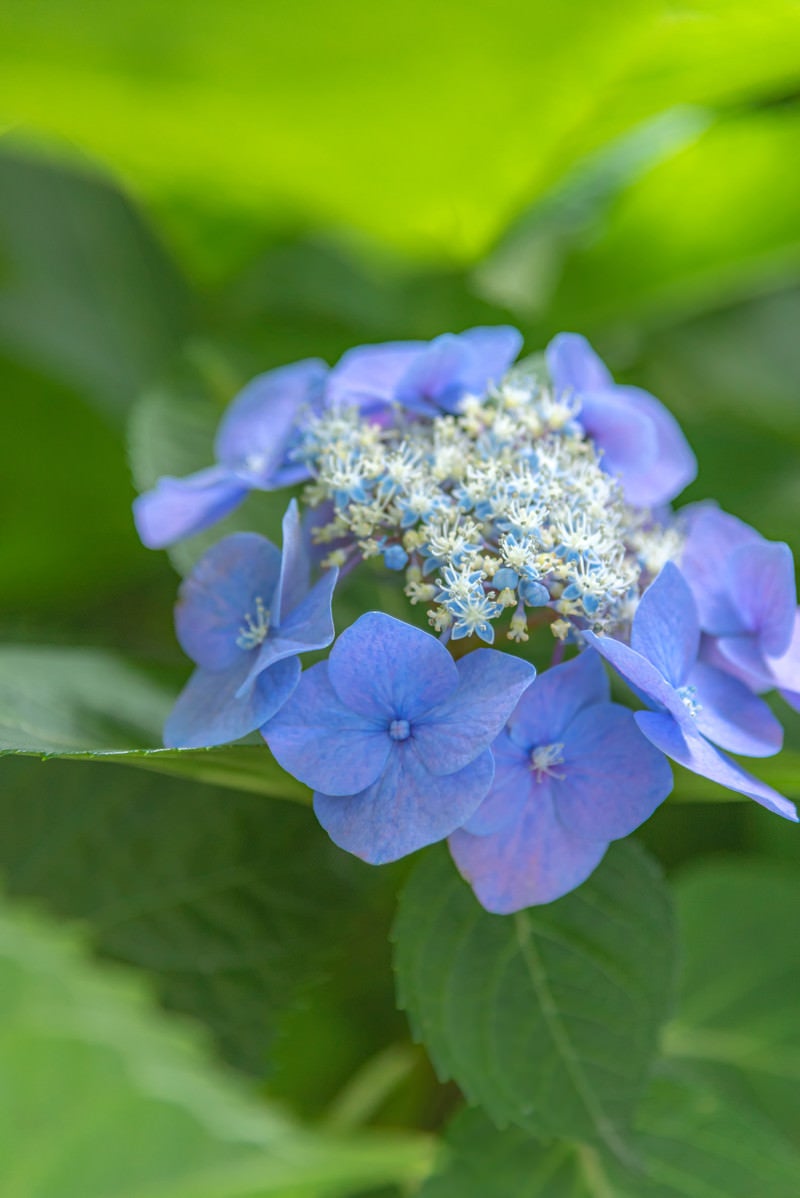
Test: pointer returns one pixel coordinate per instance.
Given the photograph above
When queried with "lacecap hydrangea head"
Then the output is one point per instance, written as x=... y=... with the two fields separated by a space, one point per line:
x=515 y=504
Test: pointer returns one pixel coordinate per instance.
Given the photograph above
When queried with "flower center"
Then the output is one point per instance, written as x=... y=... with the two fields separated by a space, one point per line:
x=255 y=628
x=688 y=696
x=544 y=758
x=399 y=729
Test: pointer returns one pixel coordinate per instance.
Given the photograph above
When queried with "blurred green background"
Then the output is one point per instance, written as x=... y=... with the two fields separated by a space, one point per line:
x=193 y=193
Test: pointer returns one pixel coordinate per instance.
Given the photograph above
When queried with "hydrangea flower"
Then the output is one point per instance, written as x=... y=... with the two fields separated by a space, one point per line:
x=694 y=703
x=424 y=377
x=572 y=773
x=746 y=599
x=642 y=442
x=393 y=735
x=243 y=615
x=252 y=449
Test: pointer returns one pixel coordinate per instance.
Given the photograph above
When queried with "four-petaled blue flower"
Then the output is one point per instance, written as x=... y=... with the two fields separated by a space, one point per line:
x=641 y=441
x=694 y=703
x=243 y=615
x=252 y=449
x=572 y=773
x=746 y=599
x=424 y=377
x=393 y=735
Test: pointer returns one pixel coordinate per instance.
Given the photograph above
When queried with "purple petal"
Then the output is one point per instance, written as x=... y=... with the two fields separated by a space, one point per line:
x=627 y=439
x=255 y=432
x=698 y=755
x=613 y=778
x=510 y=789
x=675 y=464
x=210 y=710
x=369 y=374
x=665 y=628
x=385 y=669
x=180 y=507
x=452 y=733
x=534 y=860
x=547 y=709
x=434 y=375
x=760 y=582
x=494 y=348
x=405 y=808
x=641 y=675
x=295 y=578
x=220 y=592
x=574 y=366
x=309 y=626
x=712 y=537
x=740 y=657
x=785 y=670
x=731 y=716
x=322 y=742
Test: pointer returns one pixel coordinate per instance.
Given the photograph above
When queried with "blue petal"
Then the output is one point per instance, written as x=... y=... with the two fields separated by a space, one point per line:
x=434 y=375
x=641 y=675
x=295 y=577
x=712 y=537
x=695 y=753
x=180 y=507
x=493 y=349
x=627 y=439
x=613 y=778
x=385 y=669
x=731 y=716
x=675 y=464
x=665 y=628
x=547 y=709
x=211 y=711
x=309 y=626
x=322 y=742
x=218 y=594
x=405 y=808
x=368 y=375
x=452 y=733
x=510 y=790
x=256 y=431
x=574 y=366
x=534 y=860
x=760 y=582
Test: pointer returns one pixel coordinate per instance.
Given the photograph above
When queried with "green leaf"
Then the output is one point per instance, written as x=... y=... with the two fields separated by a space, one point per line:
x=233 y=904
x=104 y=1098
x=86 y=291
x=738 y=1008
x=69 y=702
x=549 y=1018
x=394 y=138
x=524 y=268
x=67 y=541
x=732 y=241
x=690 y=1143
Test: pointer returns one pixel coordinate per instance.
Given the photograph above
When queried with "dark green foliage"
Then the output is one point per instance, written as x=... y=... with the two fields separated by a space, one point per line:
x=232 y=903
x=547 y=1019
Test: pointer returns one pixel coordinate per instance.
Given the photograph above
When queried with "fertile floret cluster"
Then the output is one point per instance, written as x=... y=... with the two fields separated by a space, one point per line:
x=503 y=508
x=531 y=494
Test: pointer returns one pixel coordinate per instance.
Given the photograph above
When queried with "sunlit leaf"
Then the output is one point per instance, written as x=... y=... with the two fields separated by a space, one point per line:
x=104 y=1098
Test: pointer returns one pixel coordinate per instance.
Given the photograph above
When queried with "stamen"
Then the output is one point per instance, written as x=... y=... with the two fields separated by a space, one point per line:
x=399 y=729
x=688 y=696
x=544 y=757
x=254 y=631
